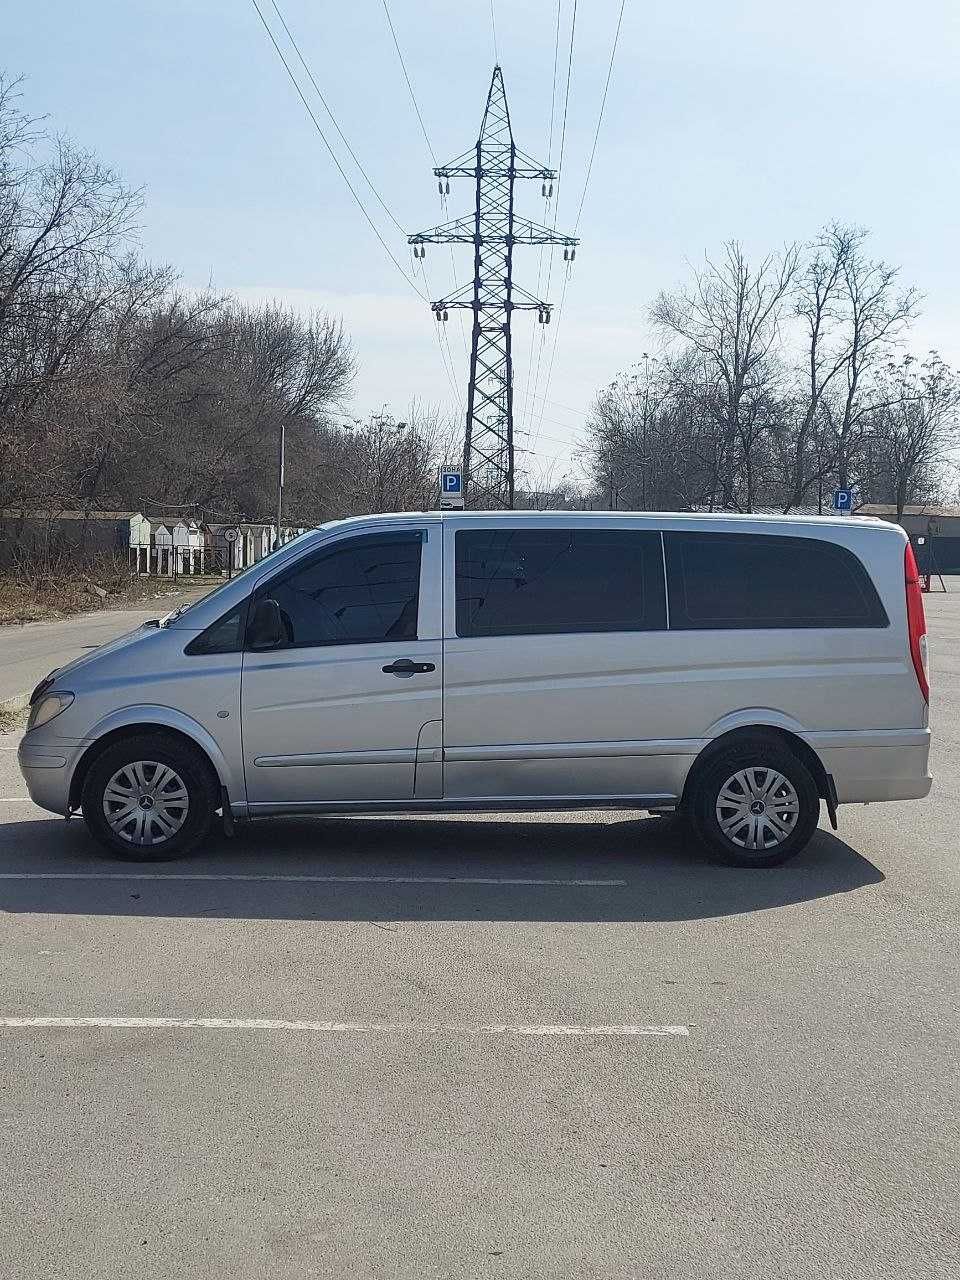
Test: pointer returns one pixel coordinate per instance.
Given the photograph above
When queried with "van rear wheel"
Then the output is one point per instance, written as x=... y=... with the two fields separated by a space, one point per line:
x=755 y=805
x=149 y=797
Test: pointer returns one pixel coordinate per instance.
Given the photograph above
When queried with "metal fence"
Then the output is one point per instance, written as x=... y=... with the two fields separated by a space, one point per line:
x=179 y=562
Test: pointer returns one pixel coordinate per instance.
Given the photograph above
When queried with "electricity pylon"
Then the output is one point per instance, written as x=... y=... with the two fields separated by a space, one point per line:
x=493 y=229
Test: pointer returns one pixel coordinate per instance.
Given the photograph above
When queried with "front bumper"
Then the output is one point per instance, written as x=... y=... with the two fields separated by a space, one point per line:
x=47 y=771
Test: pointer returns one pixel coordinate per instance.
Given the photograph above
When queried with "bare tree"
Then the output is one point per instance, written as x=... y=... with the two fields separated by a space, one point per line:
x=907 y=439
x=731 y=316
x=653 y=437
x=739 y=414
x=876 y=315
x=819 y=304
x=65 y=222
x=394 y=465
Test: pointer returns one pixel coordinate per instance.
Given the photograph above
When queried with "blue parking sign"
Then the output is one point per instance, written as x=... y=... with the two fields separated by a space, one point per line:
x=451 y=487
x=843 y=499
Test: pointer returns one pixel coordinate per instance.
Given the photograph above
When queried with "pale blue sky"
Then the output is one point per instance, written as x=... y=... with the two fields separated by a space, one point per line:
x=748 y=119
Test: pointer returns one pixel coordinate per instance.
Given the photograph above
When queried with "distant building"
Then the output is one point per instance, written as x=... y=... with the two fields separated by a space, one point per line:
x=939 y=527
x=168 y=545
x=54 y=535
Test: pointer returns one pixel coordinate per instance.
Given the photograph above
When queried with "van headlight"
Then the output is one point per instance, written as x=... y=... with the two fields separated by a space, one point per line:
x=47 y=708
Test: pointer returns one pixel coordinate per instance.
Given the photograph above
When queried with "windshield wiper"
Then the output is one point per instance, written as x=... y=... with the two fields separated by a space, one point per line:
x=170 y=617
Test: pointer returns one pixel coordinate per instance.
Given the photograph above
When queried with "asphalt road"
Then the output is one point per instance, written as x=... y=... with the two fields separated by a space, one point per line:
x=29 y=651
x=805 y=1126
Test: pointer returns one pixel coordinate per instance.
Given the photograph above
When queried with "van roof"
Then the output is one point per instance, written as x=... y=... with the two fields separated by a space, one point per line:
x=655 y=517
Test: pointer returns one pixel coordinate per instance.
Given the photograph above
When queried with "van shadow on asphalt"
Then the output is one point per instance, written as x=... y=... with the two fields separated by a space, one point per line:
x=666 y=873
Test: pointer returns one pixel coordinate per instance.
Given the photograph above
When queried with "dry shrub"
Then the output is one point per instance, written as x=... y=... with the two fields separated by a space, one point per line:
x=54 y=586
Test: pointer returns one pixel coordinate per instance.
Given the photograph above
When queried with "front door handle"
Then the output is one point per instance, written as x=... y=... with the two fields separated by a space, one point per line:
x=404 y=668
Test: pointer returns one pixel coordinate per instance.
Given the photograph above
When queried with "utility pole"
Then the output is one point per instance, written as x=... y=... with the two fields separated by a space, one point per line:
x=493 y=295
x=646 y=421
x=283 y=450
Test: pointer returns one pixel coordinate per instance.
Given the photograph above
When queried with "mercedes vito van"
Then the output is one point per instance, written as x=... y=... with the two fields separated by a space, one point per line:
x=741 y=669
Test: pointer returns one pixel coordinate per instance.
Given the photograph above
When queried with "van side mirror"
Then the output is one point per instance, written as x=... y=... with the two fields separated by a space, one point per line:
x=265 y=629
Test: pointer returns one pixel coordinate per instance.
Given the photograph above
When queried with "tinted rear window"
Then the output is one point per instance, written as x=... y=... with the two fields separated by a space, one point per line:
x=745 y=581
x=542 y=581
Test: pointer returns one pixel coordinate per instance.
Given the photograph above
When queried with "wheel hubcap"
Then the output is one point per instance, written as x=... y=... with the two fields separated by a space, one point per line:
x=757 y=808
x=145 y=802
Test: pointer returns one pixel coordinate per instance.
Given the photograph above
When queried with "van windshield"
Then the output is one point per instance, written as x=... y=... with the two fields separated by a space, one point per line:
x=229 y=582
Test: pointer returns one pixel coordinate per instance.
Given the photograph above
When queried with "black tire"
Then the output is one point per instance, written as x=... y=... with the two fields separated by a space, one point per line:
x=765 y=757
x=190 y=766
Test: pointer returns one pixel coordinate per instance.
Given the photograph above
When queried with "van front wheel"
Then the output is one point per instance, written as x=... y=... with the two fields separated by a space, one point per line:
x=755 y=805
x=149 y=797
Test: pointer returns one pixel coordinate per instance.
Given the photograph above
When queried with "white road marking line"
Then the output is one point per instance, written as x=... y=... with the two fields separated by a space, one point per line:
x=279 y=879
x=389 y=1028
x=15 y=800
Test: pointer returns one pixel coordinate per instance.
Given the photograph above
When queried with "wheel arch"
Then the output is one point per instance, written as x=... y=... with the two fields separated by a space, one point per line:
x=763 y=732
x=140 y=720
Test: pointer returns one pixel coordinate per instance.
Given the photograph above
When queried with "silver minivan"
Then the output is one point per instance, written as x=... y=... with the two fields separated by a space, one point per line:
x=740 y=669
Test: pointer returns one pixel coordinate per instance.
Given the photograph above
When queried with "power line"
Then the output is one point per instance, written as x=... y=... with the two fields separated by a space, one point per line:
x=413 y=96
x=603 y=103
x=553 y=355
x=453 y=276
x=581 y=413
x=553 y=90
x=586 y=181
x=556 y=207
x=446 y=355
x=333 y=155
x=533 y=379
x=333 y=119
x=566 y=97
x=569 y=444
x=447 y=371
x=433 y=157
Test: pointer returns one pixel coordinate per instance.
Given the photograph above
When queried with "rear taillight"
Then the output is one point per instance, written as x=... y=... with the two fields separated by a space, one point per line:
x=916 y=622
